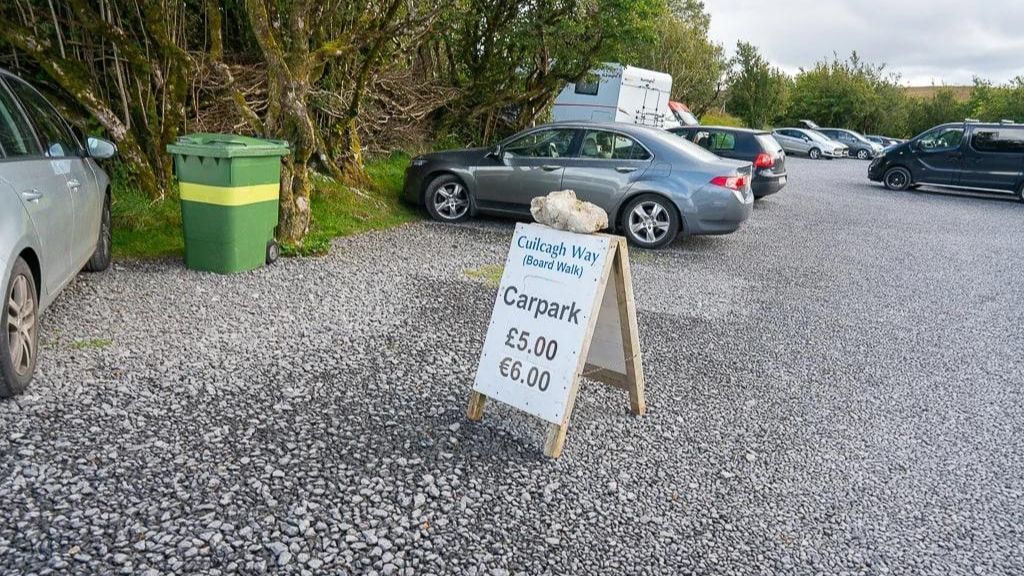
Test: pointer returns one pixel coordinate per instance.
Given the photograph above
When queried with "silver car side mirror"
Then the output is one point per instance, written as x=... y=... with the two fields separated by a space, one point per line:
x=101 y=149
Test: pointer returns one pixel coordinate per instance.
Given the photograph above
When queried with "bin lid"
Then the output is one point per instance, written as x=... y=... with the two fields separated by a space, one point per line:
x=226 y=146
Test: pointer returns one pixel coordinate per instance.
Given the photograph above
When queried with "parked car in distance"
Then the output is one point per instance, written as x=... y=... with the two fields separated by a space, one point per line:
x=976 y=156
x=54 y=219
x=884 y=141
x=755 y=146
x=857 y=144
x=682 y=114
x=652 y=183
x=809 y=143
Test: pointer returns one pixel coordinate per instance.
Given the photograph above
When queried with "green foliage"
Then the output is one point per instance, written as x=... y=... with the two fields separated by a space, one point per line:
x=990 y=102
x=721 y=118
x=758 y=92
x=682 y=48
x=340 y=210
x=509 y=58
x=143 y=227
x=943 y=106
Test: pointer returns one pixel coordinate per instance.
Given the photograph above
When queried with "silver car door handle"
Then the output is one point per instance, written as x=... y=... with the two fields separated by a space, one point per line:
x=549 y=167
x=32 y=195
x=74 y=184
x=625 y=169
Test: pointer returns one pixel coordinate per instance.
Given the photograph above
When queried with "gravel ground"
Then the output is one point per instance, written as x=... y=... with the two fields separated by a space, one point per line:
x=835 y=389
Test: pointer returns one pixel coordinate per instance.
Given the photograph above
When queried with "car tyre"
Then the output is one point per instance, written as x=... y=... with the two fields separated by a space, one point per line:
x=897 y=178
x=447 y=199
x=650 y=221
x=814 y=154
x=863 y=155
x=19 y=336
x=102 y=256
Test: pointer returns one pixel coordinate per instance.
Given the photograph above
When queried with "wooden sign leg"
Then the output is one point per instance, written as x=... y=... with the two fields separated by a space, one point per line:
x=630 y=331
x=555 y=440
x=476 y=406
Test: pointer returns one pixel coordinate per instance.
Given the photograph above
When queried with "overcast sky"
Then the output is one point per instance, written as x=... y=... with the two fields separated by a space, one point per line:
x=925 y=41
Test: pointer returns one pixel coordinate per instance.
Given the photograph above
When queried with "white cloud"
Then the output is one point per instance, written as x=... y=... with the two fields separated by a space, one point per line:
x=925 y=41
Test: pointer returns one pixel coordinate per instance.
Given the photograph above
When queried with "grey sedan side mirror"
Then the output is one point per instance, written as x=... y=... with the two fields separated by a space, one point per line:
x=496 y=152
x=101 y=149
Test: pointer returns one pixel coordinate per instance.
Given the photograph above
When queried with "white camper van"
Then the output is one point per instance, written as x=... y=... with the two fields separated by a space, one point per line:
x=619 y=94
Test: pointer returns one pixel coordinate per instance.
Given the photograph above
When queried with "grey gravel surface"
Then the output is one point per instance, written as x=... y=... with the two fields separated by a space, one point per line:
x=835 y=389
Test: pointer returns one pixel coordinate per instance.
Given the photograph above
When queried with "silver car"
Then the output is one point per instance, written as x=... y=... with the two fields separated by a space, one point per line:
x=810 y=143
x=652 y=183
x=54 y=219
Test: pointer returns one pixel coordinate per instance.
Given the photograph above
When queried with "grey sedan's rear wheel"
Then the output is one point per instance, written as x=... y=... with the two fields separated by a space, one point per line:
x=19 y=338
x=650 y=221
x=100 y=259
x=814 y=153
x=447 y=199
x=1020 y=193
x=863 y=154
x=897 y=178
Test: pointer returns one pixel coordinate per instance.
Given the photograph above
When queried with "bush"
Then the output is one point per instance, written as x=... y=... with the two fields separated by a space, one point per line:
x=721 y=118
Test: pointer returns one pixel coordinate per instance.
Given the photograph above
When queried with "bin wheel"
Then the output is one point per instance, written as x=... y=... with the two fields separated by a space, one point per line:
x=273 y=251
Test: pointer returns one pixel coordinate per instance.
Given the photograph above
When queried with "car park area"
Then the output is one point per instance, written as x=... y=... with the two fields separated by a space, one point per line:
x=834 y=388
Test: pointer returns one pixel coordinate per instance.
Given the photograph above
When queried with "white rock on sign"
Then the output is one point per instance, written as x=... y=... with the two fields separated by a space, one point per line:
x=563 y=211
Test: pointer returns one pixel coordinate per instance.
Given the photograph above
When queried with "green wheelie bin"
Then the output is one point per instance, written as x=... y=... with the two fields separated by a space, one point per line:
x=229 y=188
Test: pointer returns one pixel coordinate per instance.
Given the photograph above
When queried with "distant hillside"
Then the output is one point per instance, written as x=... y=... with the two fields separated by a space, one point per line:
x=963 y=93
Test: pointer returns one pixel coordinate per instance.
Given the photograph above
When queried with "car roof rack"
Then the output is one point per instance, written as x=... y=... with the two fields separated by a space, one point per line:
x=1005 y=121
x=974 y=120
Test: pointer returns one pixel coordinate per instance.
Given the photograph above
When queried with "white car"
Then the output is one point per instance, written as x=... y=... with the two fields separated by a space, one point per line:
x=54 y=219
x=810 y=143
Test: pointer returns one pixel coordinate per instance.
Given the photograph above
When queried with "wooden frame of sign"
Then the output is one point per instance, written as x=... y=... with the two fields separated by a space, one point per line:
x=610 y=351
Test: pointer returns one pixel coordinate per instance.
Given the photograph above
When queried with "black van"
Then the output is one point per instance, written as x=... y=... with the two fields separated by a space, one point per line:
x=985 y=157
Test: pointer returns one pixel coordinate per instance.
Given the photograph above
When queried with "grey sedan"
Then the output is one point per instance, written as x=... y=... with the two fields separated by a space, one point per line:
x=54 y=219
x=653 y=184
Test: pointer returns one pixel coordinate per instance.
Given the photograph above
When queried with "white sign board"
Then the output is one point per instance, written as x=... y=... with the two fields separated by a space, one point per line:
x=548 y=292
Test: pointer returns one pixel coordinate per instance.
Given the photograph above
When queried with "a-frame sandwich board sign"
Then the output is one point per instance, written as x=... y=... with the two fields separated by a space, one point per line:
x=564 y=310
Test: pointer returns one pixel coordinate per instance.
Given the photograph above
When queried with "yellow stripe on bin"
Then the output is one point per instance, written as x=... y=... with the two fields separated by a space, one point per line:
x=229 y=196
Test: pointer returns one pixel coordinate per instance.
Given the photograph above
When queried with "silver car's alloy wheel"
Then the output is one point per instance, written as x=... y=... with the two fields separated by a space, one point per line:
x=649 y=222
x=451 y=201
x=21 y=325
x=814 y=153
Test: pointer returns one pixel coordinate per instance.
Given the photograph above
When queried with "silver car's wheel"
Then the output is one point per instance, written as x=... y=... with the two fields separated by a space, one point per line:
x=814 y=153
x=862 y=155
x=650 y=222
x=20 y=335
x=447 y=199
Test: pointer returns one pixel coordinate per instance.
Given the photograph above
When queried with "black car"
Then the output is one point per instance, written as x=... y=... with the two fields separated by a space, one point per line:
x=860 y=147
x=985 y=157
x=755 y=146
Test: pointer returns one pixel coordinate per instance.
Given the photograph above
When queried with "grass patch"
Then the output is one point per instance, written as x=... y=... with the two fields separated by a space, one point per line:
x=640 y=255
x=91 y=344
x=339 y=210
x=144 y=228
x=489 y=275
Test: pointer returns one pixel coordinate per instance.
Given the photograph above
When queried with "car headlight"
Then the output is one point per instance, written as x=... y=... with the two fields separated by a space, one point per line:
x=419 y=161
